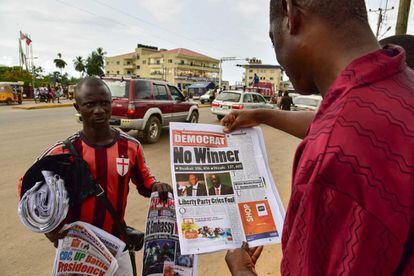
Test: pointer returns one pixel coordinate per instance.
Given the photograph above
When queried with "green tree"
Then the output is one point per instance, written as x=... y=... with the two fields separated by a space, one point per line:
x=60 y=63
x=15 y=74
x=79 y=64
x=95 y=63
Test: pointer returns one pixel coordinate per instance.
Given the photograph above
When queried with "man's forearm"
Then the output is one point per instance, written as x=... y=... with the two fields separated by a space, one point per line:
x=295 y=123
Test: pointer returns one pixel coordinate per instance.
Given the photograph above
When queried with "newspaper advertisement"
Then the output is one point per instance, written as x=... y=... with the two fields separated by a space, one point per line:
x=162 y=254
x=223 y=189
x=88 y=250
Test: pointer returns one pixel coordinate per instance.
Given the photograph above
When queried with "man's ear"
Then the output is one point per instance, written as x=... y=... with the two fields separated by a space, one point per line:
x=293 y=15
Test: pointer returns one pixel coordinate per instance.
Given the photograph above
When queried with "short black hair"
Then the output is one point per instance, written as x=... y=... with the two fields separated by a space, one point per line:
x=406 y=42
x=334 y=12
x=90 y=81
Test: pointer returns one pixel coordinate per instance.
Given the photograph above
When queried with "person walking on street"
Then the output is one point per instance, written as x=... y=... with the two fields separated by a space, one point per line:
x=286 y=102
x=353 y=173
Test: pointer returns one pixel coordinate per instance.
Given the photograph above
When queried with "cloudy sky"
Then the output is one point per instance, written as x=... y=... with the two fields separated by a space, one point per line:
x=218 y=28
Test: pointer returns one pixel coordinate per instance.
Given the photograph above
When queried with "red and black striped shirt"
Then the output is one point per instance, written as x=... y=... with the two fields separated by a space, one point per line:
x=112 y=166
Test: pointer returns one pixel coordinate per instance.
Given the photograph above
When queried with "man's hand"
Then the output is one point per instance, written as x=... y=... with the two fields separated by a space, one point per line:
x=163 y=189
x=55 y=236
x=242 y=262
x=240 y=119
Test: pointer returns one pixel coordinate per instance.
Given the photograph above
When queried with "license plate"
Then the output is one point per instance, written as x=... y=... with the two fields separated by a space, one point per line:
x=225 y=107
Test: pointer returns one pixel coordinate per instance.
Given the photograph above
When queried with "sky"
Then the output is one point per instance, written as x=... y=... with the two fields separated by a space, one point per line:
x=217 y=28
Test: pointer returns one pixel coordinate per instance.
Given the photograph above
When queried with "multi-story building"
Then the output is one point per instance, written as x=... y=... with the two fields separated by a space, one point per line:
x=181 y=67
x=265 y=72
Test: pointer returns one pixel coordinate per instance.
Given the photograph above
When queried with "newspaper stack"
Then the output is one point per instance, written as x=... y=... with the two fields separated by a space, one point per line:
x=162 y=253
x=45 y=205
x=223 y=189
x=88 y=250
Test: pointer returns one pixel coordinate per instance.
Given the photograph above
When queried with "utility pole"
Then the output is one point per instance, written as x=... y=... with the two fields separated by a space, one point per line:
x=402 y=19
x=221 y=66
x=381 y=17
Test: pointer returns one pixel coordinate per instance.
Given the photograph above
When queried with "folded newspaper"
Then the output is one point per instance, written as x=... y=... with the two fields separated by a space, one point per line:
x=88 y=250
x=162 y=254
x=223 y=190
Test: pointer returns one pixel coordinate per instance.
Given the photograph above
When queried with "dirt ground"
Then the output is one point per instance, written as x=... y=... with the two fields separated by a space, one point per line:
x=24 y=134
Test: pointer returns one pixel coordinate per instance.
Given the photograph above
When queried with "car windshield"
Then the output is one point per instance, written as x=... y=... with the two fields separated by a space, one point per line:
x=229 y=97
x=306 y=101
x=118 y=89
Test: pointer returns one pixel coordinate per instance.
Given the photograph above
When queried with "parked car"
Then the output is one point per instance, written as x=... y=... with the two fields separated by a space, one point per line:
x=307 y=103
x=208 y=97
x=148 y=105
x=237 y=100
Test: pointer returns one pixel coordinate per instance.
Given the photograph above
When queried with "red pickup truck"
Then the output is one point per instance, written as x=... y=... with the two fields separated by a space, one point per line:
x=148 y=105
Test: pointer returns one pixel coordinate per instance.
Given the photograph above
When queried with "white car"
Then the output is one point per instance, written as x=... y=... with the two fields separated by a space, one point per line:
x=307 y=103
x=207 y=97
x=237 y=100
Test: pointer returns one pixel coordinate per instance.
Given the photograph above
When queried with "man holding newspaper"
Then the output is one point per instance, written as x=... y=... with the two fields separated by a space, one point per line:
x=110 y=157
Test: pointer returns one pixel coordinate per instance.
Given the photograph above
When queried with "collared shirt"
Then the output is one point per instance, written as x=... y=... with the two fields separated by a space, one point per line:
x=194 y=189
x=351 y=210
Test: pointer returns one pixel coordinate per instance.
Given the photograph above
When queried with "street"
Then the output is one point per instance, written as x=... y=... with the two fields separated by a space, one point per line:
x=26 y=133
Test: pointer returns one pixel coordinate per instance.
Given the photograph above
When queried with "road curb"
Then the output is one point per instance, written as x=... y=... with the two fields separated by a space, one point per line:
x=32 y=107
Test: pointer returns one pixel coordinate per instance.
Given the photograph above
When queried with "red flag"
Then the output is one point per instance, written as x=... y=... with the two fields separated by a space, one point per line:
x=28 y=40
x=22 y=36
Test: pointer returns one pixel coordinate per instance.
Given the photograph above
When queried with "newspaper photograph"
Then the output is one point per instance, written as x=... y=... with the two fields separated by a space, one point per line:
x=162 y=253
x=223 y=190
x=88 y=250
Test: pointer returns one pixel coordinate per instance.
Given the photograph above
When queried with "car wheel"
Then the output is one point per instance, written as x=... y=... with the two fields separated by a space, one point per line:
x=9 y=102
x=220 y=117
x=152 y=130
x=193 y=117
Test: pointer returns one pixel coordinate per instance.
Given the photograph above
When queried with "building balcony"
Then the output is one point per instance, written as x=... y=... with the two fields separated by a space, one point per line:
x=196 y=79
x=197 y=67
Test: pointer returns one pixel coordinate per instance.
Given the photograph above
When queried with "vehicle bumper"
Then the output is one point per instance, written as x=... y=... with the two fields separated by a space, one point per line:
x=220 y=111
x=137 y=124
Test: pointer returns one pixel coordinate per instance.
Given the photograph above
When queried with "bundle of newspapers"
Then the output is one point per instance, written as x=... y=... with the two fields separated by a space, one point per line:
x=223 y=189
x=88 y=250
x=45 y=205
x=162 y=252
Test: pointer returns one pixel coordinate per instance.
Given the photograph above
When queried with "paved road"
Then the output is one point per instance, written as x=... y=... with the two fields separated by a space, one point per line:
x=25 y=133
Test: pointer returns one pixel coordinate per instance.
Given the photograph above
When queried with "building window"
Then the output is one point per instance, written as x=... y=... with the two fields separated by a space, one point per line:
x=117 y=62
x=182 y=62
x=250 y=78
x=251 y=70
x=128 y=62
x=107 y=72
x=129 y=72
x=144 y=62
x=137 y=56
x=117 y=72
x=138 y=67
x=271 y=78
x=170 y=61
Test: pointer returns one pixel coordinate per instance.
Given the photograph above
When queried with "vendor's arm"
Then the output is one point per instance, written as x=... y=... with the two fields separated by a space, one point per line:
x=295 y=123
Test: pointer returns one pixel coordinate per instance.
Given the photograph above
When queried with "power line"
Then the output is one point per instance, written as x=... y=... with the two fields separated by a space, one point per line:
x=382 y=17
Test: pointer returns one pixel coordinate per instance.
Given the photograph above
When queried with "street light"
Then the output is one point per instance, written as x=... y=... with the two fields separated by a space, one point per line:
x=221 y=67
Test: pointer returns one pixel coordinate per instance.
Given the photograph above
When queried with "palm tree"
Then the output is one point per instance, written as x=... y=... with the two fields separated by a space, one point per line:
x=79 y=65
x=59 y=62
x=95 y=63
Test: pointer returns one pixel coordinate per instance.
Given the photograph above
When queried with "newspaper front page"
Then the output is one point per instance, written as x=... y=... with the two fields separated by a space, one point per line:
x=162 y=254
x=88 y=250
x=223 y=189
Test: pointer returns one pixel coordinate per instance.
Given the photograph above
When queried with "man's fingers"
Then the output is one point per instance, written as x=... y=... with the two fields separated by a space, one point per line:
x=256 y=254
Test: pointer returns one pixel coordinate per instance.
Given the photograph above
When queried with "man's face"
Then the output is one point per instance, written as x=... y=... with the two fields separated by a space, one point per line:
x=214 y=181
x=94 y=105
x=291 y=55
x=192 y=179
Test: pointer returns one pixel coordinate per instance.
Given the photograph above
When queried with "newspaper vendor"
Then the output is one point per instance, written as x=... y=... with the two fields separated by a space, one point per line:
x=114 y=158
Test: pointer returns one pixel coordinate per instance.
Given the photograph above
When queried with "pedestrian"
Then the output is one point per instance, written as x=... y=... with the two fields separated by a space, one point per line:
x=286 y=102
x=50 y=94
x=114 y=159
x=58 y=93
x=351 y=208
x=256 y=80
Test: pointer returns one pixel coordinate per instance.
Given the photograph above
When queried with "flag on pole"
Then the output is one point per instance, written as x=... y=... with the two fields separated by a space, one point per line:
x=28 y=40
x=22 y=36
